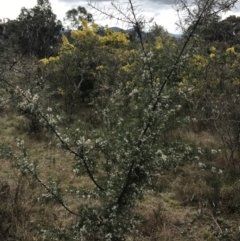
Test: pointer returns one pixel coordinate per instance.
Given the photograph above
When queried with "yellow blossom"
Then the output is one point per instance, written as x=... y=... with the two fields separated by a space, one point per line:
x=236 y=82
x=60 y=91
x=89 y=31
x=212 y=49
x=126 y=68
x=235 y=64
x=66 y=46
x=212 y=56
x=94 y=27
x=158 y=43
x=65 y=40
x=44 y=61
x=54 y=59
x=129 y=84
x=84 y=23
x=100 y=67
x=230 y=51
x=199 y=61
x=114 y=37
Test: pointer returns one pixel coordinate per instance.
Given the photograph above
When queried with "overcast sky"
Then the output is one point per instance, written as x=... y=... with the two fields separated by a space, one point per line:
x=161 y=10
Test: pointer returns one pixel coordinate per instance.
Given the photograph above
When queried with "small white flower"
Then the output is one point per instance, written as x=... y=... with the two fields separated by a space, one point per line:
x=194 y=120
x=201 y=165
x=196 y=158
x=88 y=141
x=49 y=109
x=35 y=97
x=108 y=236
x=214 y=170
x=66 y=139
x=213 y=151
x=134 y=91
x=164 y=157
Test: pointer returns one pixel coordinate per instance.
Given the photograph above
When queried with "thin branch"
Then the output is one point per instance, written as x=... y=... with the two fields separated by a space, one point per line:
x=60 y=139
x=72 y=151
x=80 y=83
x=59 y=200
x=154 y=108
x=215 y=221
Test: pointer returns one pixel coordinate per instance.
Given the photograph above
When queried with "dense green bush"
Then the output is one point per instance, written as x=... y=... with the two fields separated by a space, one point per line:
x=141 y=95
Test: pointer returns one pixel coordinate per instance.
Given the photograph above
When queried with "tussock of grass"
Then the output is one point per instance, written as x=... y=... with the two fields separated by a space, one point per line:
x=179 y=207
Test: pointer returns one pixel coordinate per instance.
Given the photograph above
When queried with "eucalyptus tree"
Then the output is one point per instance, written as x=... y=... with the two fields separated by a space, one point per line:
x=76 y=15
x=38 y=30
x=226 y=30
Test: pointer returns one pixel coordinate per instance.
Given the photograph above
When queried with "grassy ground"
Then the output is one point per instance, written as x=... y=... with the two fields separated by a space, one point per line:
x=187 y=203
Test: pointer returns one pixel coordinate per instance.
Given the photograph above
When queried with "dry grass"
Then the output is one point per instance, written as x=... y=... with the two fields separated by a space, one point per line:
x=200 y=138
x=168 y=217
x=27 y=211
x=179 y=208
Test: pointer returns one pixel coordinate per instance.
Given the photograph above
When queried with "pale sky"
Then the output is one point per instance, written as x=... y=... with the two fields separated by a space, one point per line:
x=161 y=10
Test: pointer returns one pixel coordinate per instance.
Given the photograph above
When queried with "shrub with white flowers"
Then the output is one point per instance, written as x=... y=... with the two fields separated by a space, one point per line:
x=139 y=106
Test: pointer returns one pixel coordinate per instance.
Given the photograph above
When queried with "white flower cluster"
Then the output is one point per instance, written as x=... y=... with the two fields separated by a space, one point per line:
x=202 y=165
x=134 y=91
x=162 y=155
x=147 y=57
x=29 y=100
x=213 y=152
x=216 y=171
x=146 y=69
x=20 y=143
x=82 y=141
x=101 y=142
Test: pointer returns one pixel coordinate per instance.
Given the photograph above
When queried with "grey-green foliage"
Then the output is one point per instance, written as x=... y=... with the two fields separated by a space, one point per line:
x=76 y=15
x=121 y=156
x=5 y=151
x=36 y=31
